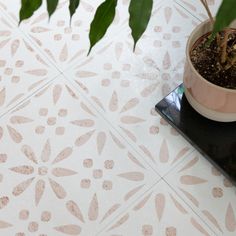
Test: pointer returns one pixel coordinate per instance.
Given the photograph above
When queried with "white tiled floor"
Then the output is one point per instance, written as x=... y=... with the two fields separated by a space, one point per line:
x=82 y=151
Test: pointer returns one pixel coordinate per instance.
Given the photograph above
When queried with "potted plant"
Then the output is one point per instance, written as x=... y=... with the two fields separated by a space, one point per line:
x=210 y=69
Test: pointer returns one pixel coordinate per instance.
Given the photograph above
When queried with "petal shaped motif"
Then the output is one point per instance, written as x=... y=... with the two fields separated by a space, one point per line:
x=191 y=180
x=39 y=191
x=46 y=152
x=60 y=172
x=16 y=136
x=133 y=176
x=160 y=205
x=29 y=153
x=93 y=209
x=57 y=90
x=230 y=220
x=4 y=225
x=25 y=170
x=57 y=189
x=101 y=140
x=84 y=138
x=64 y=154
x=2 y=96
x=69 y=229
x=74 y=209
x=164 y=152
x=20 y=188
x=130 y=104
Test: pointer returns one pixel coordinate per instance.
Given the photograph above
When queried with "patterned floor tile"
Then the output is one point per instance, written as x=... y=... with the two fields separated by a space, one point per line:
x=209 y=193
x=83 y=153
x=26 y=219
x=61 y=43
x=125 y=86
x=159 y=144
x=196 y=8
x=22 y=68
x=66 y=157
x=156 y=66
x=165 y=214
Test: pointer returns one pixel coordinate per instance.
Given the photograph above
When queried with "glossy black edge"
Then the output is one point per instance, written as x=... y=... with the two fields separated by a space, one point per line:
x=195 y=146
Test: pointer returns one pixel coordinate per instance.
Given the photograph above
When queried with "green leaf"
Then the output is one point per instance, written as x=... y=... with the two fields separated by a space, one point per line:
x=28 y=7
x=51 y=6
x=102 y=20
x=225 y=16
x=140 y=13
x=73 y=6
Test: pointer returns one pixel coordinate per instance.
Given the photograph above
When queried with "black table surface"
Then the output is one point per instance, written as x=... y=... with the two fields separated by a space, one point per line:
x=214 y=140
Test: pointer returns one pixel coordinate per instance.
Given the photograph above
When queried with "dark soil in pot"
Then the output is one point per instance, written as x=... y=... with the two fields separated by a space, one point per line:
x=206 y=60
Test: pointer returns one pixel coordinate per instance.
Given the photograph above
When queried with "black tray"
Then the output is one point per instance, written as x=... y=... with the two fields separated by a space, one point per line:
x=214 y=140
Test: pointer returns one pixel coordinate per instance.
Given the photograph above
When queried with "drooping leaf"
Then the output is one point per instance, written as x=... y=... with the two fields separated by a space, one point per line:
x=225 y=16
x=140 y=13
x=73 y=6
x=102 y=20
x=28 y=7
x=51 y=6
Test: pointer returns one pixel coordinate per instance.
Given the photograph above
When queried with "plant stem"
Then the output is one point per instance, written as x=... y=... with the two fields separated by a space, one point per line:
x=224 y=46
x=234 y=61
x=205 y=4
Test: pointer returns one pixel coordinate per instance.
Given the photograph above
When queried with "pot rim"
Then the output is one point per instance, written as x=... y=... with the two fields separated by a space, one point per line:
x=190 y=62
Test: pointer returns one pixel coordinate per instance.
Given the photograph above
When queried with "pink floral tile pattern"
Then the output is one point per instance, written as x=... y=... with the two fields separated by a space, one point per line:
x=203 y=187
x=82 y=150
x=197 y=9
x=143 y=69
x=26 y=222
x=77 y=154
x=125 y=86
x=169 y=149
x=62 y=44
x=38 y=169
x=22 y=68
x=166 y=214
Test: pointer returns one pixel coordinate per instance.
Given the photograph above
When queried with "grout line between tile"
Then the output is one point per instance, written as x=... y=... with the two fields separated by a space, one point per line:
x=131 y=145
x=179 y=163
x=196 y=213
x=128 y=207
x=29 y=96
x=177 y=2
x=35 y=46
x=69 y=67
x=37 y=50
x=57 y=67
x=114 y=128
x=8 y=17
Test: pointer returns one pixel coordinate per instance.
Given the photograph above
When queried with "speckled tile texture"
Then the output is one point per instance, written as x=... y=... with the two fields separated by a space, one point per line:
x=82 y=150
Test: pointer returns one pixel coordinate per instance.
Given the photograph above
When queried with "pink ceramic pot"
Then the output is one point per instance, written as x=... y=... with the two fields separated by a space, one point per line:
x=212 y=101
